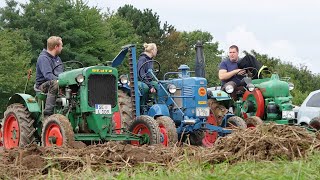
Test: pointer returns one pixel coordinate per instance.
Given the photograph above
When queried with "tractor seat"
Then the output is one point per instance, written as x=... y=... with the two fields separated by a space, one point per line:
x=39 y=94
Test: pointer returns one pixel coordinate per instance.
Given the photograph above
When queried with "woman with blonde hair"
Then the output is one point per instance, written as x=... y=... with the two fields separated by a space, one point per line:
x=150 y=51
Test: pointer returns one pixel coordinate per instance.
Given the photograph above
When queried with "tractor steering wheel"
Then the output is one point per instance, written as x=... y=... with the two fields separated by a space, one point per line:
x=250 y=72
x=73 y=65
x=155 y=70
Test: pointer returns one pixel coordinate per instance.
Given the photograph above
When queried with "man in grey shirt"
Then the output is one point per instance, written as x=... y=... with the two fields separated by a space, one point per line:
x=46 y=81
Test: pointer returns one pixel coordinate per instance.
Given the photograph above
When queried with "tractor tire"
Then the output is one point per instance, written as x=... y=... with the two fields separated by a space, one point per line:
x=196 y=138
x=58 y=127
x=315 y=123
x=237 y=122
x=147 y=126
x=168 y=132
x=17 y=125
x=125 y=106
x=253 y=121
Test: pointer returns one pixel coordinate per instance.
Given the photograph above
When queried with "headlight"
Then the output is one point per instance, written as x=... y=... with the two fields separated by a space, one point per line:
x=229 y=89
x=250 y=87
x=124 y=79
x=80 y=78
x=291 y=86
x=172 y=88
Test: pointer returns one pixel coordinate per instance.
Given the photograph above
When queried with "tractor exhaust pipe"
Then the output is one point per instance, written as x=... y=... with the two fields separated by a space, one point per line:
x=200 y=61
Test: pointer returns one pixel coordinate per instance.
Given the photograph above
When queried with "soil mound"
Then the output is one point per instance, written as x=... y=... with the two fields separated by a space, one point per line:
x=265 y=142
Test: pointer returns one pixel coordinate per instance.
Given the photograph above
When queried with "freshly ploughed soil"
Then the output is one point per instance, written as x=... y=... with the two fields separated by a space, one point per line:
x=265 y=142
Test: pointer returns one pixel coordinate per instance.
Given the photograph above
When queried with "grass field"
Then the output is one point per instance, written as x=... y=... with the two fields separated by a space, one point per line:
x=299 y=169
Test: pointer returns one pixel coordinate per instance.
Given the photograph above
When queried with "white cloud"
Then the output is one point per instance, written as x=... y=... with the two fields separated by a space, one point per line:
x=278 y=48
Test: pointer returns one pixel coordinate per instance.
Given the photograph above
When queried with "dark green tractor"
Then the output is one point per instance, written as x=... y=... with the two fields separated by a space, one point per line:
x=86 y=110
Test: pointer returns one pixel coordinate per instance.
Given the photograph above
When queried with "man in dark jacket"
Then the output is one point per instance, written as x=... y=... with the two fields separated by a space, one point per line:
x=46 y=81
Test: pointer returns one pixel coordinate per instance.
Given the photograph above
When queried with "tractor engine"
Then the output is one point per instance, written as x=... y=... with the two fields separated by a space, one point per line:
x=189 y=95
x=88 y=95
x=270 y=100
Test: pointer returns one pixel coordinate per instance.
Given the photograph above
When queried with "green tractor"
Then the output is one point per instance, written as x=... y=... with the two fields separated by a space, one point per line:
x=86 y=110
x=264 y=99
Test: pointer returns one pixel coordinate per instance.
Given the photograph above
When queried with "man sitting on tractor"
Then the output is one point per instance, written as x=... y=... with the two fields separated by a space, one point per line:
x=46 y=79
x=229 y=73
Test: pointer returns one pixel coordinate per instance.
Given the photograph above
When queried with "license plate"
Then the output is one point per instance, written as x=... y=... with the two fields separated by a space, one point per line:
x=202 y=111
x=103 y=108
x=288 y=115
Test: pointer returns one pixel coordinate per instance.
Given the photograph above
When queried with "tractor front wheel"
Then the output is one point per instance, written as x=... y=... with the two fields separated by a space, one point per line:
x=57 y=130
x=315 y=123
x=17 y=125
x=253 y=121
x=148 y=128
x=168 y=132
x=237 y=122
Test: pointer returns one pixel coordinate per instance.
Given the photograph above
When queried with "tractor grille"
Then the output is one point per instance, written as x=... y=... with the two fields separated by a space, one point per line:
x=187 y=91
x=102 y=89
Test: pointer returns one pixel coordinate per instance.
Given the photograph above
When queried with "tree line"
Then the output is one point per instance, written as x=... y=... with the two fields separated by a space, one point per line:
x=95 y=37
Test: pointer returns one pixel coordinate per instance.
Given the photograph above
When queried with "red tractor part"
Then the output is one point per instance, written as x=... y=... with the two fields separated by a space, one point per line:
x=148 y=128
x=57 y=130
x=1 y=136
x=117 y=120
x=11 y=132
x=210 y=137
x=168 y=132
x=257 y=98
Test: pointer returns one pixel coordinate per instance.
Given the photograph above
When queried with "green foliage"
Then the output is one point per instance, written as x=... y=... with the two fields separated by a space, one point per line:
x=299 y=169
x=15 y=58
x=146 y=23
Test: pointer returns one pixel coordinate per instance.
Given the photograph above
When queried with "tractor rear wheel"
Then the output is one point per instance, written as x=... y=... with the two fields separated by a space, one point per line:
x=126 y=108
x=57 y=130
x=168 y=132
x=253 y=121
x=237 y=122
x=315 y=123
x=148 y=128
x=17 y=125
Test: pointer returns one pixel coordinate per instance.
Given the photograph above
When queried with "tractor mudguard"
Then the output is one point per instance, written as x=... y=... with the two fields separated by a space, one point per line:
x=27 y=100
x=219 y=95
x=158 y=110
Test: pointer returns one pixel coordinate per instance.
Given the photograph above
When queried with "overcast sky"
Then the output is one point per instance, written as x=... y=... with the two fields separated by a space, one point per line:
x=286 y=29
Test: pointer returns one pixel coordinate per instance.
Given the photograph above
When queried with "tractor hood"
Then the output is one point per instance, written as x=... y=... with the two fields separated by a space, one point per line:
x=69 y=77
x=272 y=87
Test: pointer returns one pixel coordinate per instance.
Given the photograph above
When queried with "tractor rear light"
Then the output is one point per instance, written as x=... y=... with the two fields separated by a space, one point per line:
x=117 y=121
x=229 y=89
x=291 y=86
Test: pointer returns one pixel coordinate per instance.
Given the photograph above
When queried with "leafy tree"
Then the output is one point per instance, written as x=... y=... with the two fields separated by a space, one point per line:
x=146 y=23
x=81 y=27
x=15 y=58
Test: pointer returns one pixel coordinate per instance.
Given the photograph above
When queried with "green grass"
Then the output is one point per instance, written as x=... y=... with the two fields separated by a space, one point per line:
x=300 y=169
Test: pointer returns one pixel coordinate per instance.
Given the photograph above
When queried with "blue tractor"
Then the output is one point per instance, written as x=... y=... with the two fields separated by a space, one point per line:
x=180 y=105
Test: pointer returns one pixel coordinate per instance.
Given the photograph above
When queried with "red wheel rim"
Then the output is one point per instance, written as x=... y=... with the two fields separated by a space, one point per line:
x=1 y=136
x=210 y=137
x=164 y=135
x=140 y=129
x=259 y=101
x=53 y=132
x=11 y=132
